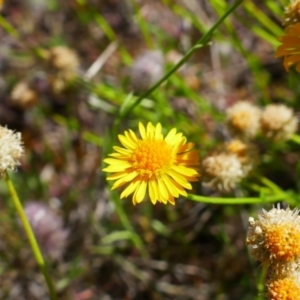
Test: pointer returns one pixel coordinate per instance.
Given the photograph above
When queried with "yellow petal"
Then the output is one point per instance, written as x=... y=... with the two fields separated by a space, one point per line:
x=292 y=59
x=122 y=150
x=185 y=171
x=188 y=159
x=130 y=189
x=153 y=191
x=150 y=130
x=120 y=156
x=116 y=175
x=179 y=188
x=117 y=162
x=180 y=179
x=133 y=136
x=140 y=192
x=114 y=169
x=171 y=200
x=157 y=133
x=179 y=140
x=126 y=142
x=142 y=131
x=170 y=136
x=170 y=186
x=163 y=193
x=185 y=148
x=125 y=179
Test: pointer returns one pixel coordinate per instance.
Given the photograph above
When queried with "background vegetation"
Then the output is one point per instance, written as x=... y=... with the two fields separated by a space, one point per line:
x=114 y=250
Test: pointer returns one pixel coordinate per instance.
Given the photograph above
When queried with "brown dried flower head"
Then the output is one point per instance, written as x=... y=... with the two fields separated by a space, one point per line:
x=23 y=96
x=222 y=171
x=245 y=152
x=275 y=239
x=278 y=122
x=226 y=167
x=243 y=119
x=60 y=81
x=64 y=62
x=291 y=14
x=11 y=149
x=63 y=58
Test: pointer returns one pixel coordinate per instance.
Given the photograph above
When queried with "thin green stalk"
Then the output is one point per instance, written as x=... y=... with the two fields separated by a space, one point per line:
x=261 y=284
x=236 y=201
x=144 y=26
x=263 y=18
x=31 y=237
x=203 y=41
x=8 y=28
x=128 y=226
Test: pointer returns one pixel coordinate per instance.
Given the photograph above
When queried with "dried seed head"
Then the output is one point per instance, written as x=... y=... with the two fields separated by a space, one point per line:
x=48 y=228
x=245 y=152
x=60 y=82
x=275 y=239
x=23 y=96
x=278 y=122
x=291 y=14
x=243 y=119
x=11 y=149
x=222 y=171
x=147 y=70
x=63 y=58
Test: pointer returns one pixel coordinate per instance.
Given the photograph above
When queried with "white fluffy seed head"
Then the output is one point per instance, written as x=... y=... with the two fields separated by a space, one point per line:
x=274 y=239
x=222 y=171
x=278 y=122
x=11 y=149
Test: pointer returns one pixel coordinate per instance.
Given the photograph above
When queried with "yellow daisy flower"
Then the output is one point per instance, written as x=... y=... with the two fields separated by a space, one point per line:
x=275 y=239
x=290 y=48
x=284 y=289
x=163 y=166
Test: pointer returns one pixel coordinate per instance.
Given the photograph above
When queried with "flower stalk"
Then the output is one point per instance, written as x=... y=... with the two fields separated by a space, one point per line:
x=31 y=237
x=202 y=42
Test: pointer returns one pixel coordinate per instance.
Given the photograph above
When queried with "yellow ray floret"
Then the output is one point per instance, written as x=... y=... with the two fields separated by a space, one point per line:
x=290 y=48
x=161 y=166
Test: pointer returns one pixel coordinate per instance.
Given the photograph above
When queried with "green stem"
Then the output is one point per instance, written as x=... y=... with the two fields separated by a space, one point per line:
x=31 y=237
x=8 y=28
x=128 y=226
x=203 y=41
x=239 y=201
x=261 y=284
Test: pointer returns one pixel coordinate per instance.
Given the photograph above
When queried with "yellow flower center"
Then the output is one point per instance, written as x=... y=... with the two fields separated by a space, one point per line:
x=284 y=289
x=283 y=241
x=152 y=157
x=237 y=147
